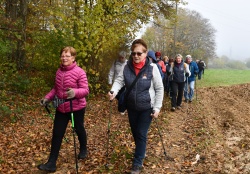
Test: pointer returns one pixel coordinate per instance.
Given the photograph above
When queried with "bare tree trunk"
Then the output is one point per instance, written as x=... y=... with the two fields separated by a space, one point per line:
x=21 y=56
x=16 y=13
x=11 y=9
x=77 y=18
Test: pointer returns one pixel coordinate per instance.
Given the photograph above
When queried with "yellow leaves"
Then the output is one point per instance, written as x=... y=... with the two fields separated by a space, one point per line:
x=97 y=86
x=117 y=150
x=28 y=149
x=153 y=166
x=33 y=164
x=91 y=71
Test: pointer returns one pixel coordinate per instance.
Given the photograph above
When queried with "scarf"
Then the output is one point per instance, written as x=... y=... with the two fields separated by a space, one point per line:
x=138 y=66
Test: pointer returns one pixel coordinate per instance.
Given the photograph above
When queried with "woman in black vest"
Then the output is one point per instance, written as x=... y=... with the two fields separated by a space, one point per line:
x=144 y=100
x=178 y=72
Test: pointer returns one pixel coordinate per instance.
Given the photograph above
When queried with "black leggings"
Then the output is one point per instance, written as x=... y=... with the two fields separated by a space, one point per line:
x=177 y=89
x=60 y=125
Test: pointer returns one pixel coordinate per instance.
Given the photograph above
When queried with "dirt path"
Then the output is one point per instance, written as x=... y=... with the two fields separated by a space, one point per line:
x=214 y=128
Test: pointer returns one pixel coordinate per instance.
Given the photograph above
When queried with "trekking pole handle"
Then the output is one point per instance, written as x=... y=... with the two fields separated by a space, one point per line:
x=111 y=92
x=152 y=113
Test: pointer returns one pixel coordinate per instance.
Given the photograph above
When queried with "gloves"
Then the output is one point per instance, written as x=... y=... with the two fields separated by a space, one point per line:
x=44 y=101
x=70 y=93
x=187 y=74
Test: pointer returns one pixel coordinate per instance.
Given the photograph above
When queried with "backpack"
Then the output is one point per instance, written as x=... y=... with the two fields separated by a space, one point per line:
x=160 y=70
x=201 y=65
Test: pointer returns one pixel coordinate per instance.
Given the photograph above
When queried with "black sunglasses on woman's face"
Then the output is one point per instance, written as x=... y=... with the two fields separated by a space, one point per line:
x=136 y=53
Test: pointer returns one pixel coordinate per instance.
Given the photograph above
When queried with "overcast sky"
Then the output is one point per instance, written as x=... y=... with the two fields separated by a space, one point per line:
x=231 y=19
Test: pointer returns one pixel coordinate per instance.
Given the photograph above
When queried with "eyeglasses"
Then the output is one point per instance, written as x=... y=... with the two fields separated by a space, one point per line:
x=136 y=53
x=67 y=56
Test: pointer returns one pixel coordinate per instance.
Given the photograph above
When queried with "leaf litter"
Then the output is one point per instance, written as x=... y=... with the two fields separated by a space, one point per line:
x=210 y=135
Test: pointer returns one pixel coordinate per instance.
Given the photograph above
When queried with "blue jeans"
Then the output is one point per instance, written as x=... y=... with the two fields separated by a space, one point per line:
x=189 y=90
x=139 y=122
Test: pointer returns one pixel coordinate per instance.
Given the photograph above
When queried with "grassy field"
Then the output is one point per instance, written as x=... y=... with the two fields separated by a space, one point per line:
x=223 y=77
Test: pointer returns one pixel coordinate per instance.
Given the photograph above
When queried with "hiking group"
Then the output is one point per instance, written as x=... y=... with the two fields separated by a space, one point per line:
x=142 y=80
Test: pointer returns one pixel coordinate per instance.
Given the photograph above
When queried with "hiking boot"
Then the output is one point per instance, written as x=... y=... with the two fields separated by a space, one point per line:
x=186 y=100
x=178 y=107
x=135 y=170
x=190 y=101
x=122 y=113
x=173 y=109
x=82 y=154
x=50 y=166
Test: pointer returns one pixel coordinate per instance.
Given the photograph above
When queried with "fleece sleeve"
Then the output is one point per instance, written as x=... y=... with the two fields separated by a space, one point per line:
x=158 y=89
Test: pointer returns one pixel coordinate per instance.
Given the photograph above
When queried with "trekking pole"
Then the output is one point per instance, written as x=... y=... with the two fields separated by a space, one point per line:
x=108 y=132
x=168 y=88
x=47 y=109
x=73 y=131
x=195 y=88
x=52 y=117
x=187 y=93
x=159 y=131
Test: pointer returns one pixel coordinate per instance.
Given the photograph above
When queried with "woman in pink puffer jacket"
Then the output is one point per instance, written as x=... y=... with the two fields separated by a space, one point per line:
x=70 y=83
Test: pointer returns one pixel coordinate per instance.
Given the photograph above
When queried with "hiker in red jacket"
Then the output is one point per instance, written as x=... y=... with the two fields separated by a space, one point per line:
x=160 y=62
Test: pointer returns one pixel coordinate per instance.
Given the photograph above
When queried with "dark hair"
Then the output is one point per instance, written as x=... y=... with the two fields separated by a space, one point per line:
x=171 y=60
x=139 y=42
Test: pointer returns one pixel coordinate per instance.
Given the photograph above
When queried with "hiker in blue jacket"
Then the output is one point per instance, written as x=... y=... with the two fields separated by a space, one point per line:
x=189 y=86
x=151 y=55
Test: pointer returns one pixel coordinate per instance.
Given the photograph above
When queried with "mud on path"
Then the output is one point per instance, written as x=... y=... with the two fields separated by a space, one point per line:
x=209 y=135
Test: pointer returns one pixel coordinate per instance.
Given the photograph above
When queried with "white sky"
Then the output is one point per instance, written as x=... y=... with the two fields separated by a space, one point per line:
x=231 y=19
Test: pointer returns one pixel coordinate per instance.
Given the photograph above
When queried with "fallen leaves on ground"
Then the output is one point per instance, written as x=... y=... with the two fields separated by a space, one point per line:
x=215 y=126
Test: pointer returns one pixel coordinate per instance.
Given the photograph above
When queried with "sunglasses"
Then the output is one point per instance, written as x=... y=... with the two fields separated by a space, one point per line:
x=136 y=53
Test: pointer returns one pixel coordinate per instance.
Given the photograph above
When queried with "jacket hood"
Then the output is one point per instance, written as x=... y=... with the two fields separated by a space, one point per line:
x=152 y=55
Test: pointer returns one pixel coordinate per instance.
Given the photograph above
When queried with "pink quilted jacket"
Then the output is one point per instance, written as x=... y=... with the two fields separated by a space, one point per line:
x=70 y=77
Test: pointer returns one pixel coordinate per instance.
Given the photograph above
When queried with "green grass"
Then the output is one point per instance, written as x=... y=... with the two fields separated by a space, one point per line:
x=223 y=77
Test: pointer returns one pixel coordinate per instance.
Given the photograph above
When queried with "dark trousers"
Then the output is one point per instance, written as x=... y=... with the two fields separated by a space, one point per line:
x=60 y=125
x=166 y=84
x=177 y=89
x=200 y=74
x=139 y=122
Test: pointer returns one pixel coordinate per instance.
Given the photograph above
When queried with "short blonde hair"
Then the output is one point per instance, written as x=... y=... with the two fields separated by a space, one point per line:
x=165 y=58
x=178 y=55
